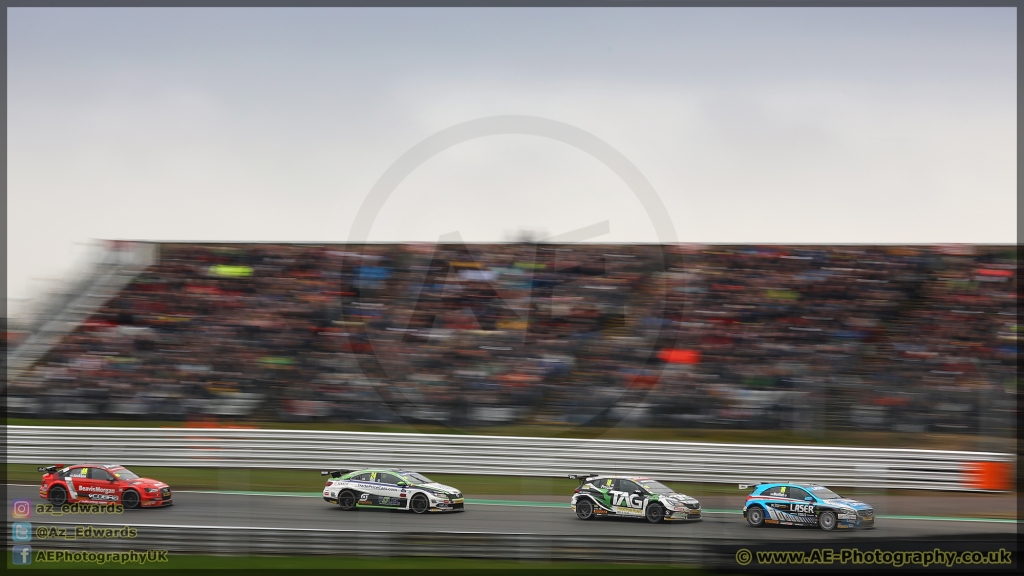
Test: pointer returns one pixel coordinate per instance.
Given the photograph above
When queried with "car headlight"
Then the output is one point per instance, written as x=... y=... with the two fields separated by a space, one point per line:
x=152 y=490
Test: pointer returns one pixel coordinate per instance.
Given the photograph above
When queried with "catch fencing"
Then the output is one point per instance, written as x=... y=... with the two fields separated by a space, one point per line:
x=512 y=456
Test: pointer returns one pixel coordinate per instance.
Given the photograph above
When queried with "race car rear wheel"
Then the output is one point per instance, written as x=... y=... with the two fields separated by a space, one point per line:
x=58 y=496
x=755 y=516
x=419 y=504
x=130 y=499
x=347 y=500
x=827 y=520
x=655 y=513
x=584 y=509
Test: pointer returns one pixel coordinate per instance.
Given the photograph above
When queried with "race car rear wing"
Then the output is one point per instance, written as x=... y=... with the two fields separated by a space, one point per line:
x=50 y=469
x=583 y=478
x=756 y=483
x=334 y=473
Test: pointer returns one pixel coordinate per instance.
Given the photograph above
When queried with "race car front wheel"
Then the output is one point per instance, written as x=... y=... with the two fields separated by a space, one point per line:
x=347 y=500
x=58 y=497
x=655 y=513
x=827 y=520
x=584 y=510
x=130 y=499
x=419 y=504
x=755 y=516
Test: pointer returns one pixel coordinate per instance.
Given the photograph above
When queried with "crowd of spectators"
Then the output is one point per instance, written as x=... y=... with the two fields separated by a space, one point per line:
x=912 y=338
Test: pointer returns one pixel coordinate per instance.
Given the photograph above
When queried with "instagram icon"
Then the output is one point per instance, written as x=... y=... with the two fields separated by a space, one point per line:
x=21 y=509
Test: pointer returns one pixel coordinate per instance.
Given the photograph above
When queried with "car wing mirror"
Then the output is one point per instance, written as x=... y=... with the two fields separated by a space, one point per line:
x=403 y=484
x=809 y=499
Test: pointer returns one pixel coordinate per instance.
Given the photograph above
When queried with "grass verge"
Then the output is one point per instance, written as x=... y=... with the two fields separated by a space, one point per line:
x=420 y=564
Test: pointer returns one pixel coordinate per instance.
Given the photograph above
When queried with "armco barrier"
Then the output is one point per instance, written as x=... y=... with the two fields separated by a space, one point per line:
x=316 y=541
x=696 y=551
x=515 y=456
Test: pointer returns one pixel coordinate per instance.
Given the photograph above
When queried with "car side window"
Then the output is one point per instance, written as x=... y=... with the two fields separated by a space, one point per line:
x=78 y=473
x=100 y=474
x=777 y=491
x=608 y=484
x=364 y=477
x=628 y=486
x=388 y=478
x=798 y=493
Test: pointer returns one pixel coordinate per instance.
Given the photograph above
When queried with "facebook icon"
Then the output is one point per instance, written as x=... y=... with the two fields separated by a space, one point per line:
x=22 y=555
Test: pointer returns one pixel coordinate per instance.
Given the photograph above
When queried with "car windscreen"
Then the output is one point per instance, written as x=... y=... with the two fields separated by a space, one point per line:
x=417 y=478
x=124 y=474
x=655 y=487
x=823 y=493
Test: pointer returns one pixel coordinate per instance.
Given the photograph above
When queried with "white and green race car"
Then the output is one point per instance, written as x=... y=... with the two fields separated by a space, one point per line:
x=631 y=496
x=390 y=488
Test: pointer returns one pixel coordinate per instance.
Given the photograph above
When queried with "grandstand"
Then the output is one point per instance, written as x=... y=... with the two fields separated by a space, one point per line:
x=895 y=338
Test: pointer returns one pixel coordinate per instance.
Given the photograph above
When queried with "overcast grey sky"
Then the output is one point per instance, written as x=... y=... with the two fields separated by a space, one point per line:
x=753 y=125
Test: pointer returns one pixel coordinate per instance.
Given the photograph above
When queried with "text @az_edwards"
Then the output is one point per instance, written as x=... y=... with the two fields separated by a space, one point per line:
x=79 y=509
x=75 y=532
x=855 y=556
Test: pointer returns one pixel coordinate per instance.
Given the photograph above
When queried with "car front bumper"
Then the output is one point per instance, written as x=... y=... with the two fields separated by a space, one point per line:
x=683 y=515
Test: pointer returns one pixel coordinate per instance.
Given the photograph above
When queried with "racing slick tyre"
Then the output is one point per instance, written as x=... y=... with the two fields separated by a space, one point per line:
x=419 y=504
x=347 y=500
x=827 y=520
x=755 y=516
x=58 y=496
x=655 y=513
x=130 y=499
x=584 y=509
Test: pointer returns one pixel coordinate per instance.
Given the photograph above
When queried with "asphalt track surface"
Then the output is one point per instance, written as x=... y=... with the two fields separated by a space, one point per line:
x=205 y=509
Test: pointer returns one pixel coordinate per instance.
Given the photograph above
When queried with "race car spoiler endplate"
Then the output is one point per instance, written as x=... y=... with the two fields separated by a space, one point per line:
x=334 y=473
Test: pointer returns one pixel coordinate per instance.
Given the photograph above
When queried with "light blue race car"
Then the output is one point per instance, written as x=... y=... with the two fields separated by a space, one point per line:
x=789 y=504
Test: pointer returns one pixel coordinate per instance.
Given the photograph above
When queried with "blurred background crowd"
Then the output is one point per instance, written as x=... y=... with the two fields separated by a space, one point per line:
x=896 y=338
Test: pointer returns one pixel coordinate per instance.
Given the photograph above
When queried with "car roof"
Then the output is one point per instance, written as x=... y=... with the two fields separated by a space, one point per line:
x=94 y=465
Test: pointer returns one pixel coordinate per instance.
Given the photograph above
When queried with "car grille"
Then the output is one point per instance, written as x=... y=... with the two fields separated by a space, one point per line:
x=459 y=506
x=166 y=493
x=869 y=513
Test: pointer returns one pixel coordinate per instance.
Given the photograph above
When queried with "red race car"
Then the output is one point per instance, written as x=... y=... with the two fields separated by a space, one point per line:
x=101 y=484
